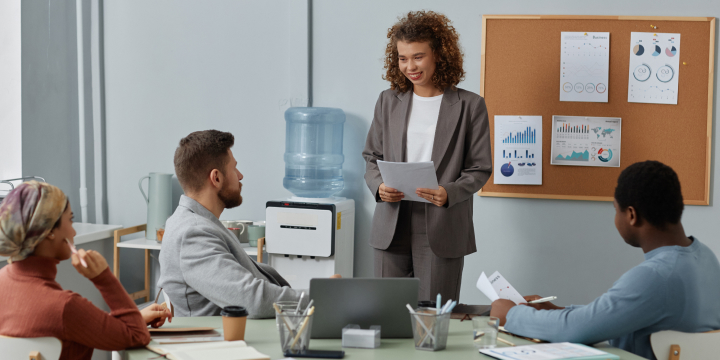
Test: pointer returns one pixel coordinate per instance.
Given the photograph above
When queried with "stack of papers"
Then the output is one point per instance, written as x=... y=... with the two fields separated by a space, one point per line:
x=226 y=350
x=408 y=177
x=564 y=351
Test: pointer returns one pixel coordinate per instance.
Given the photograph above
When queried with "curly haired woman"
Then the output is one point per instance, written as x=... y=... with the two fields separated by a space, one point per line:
x=425 y=117
x=36 y=233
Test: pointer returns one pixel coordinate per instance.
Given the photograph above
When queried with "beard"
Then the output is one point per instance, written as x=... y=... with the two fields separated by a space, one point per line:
x=231 y=197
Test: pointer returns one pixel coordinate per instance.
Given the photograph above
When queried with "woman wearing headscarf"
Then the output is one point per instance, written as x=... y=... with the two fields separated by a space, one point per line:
x=36 y=234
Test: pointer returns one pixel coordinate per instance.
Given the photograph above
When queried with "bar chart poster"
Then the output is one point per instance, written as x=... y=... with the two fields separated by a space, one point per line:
x=518 y=150
x=586 y=141
x=584 y=66
x=654 y=64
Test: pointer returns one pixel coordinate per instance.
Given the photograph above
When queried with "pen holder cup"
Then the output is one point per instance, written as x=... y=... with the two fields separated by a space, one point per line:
x=430 y=330
x=294 y=331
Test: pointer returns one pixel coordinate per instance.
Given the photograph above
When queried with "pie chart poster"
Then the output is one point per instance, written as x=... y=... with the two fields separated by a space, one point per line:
x=654 y=68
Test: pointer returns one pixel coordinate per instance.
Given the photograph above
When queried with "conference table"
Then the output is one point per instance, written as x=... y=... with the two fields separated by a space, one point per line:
x=263 y=336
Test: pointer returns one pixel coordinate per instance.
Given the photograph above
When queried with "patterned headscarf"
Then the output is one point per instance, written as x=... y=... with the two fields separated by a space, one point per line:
x=27 y=215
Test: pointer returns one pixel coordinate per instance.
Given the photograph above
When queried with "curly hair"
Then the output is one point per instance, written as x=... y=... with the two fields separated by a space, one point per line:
x=653 y=189
x=437 y=29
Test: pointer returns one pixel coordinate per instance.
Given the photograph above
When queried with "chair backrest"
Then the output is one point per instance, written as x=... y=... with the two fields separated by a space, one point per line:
x=675 y=345
x=45 y=348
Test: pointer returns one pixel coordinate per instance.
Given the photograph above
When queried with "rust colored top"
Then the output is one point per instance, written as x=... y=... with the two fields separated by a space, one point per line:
x=32 y=304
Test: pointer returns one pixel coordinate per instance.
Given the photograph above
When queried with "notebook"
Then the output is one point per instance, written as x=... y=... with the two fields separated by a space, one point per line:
x=226 y=350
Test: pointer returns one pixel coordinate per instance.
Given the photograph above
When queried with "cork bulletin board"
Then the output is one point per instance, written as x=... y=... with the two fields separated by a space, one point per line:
x=520 y=75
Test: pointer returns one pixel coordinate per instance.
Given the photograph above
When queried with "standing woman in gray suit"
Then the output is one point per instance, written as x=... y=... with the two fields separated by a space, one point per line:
x=424 y=117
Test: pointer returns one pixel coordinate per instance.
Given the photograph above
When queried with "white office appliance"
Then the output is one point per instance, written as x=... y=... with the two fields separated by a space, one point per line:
x=310 y=238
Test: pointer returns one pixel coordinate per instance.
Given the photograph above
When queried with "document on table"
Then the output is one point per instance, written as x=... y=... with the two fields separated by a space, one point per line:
x=226 y=350
x=496 y=287
x=555 y=351
x=408 y=177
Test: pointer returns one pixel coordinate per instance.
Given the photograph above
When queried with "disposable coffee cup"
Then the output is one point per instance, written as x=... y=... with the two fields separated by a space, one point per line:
x=234 y=318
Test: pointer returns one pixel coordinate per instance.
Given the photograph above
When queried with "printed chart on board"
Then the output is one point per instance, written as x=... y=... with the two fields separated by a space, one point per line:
x=518 y=150
x=584 y=66
x=586 y=141
x=654 y=65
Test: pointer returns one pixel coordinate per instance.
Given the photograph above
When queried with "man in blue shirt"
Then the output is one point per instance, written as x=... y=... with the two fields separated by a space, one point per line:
x=677 y=287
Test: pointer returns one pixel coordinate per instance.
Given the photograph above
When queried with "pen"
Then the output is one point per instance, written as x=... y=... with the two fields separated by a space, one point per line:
x=505 y=341
x=437 y=303
x=74 y=251
x=545 y=299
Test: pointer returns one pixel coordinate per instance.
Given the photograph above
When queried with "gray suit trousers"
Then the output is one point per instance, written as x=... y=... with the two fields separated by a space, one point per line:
x=409 y=255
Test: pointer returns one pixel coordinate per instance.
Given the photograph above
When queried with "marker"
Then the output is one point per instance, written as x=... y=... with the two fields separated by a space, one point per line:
x=74 y=251
x=545 y=299
x=444 y=308
x=451 y=307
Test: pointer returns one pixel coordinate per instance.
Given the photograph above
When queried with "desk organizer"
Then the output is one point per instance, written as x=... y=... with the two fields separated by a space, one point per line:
x=355 y=337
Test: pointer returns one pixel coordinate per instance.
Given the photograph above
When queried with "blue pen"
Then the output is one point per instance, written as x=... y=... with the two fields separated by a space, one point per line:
x=437 y=303
x=450 y=308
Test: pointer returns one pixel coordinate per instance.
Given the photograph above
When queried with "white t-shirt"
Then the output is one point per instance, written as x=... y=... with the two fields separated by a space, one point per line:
x=421 y=127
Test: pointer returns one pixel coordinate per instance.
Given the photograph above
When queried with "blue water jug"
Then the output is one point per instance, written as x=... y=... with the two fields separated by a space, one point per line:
x=314 y=151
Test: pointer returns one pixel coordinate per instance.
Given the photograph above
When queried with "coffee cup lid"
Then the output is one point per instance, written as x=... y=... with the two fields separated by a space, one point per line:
x=234 y=311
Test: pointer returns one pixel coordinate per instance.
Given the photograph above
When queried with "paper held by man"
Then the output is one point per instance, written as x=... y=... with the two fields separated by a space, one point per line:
x=408 y=177
x=497 y=287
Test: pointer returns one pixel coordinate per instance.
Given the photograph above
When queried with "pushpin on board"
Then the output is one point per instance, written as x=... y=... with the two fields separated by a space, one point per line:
x=684 y=63
x=585 y=34
x=654 y=34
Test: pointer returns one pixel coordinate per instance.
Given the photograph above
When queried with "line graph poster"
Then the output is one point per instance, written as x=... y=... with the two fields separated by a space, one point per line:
x=518 y=150
x=654 y=64
x=584 y=66
x=586 y=141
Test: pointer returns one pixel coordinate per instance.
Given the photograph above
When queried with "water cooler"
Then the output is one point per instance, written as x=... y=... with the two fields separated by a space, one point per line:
x=311 y=235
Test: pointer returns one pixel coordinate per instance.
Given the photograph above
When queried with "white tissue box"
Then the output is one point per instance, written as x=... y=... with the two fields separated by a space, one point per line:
x=355 y=337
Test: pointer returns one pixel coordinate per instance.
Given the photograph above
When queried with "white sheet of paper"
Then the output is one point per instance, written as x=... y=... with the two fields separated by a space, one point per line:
x=584 y=66
x=654 y=68
x=408 y=177
x=496 y=287
x=554 y=351
x=518 y=150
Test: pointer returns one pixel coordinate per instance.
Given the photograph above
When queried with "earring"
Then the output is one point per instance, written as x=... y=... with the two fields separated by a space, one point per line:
x=52 y=236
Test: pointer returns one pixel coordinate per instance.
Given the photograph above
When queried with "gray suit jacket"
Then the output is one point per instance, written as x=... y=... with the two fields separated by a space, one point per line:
x=463 y=164
x=203 y=268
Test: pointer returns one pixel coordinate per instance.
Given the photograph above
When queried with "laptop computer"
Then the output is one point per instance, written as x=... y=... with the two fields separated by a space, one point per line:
x=363 y=301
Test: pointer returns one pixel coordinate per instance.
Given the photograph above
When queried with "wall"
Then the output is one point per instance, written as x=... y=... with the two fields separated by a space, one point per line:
x=10 y=91
x=176 y=67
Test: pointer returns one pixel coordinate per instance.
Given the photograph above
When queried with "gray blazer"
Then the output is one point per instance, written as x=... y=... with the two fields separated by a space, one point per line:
x=203 y=268
x=463 y=164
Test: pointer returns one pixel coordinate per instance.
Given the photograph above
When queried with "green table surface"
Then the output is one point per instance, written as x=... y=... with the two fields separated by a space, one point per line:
x=263 y=336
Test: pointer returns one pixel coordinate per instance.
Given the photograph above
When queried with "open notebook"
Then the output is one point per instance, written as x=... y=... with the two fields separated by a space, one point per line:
x=222 y=350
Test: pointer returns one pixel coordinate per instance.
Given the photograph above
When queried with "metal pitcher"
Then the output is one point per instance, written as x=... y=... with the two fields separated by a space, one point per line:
x=159 y=201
